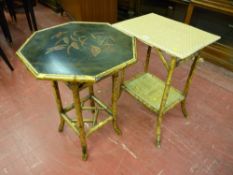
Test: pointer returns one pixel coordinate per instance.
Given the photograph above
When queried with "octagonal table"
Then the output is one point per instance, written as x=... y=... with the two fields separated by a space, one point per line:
x=80 y=54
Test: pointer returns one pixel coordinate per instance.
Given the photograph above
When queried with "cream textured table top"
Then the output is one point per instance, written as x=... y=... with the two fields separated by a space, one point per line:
x=175 y=38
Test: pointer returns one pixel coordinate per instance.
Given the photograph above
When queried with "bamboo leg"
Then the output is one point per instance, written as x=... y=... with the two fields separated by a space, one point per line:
x=80 y=123
x=95 y=116
x=122 y=78
x=147 y=59
x=95 y=111
x=59 y=104
x=163 y=101
x=162 y=58
x=115 y=95
x=91 y=93
x=187 y=85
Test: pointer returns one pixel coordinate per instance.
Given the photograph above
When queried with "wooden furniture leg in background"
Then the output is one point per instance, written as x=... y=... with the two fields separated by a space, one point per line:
x=4 y=25
x=29 y=11
x=5 y=59
x=189 y=13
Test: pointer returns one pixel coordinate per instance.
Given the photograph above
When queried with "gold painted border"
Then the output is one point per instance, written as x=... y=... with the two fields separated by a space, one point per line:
x=74 y=78
x=120 y=66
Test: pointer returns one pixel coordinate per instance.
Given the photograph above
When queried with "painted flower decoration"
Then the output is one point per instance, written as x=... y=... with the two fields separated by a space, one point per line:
x=78 y=40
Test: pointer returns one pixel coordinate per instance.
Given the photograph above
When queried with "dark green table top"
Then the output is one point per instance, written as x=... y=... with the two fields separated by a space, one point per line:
x=77 y=51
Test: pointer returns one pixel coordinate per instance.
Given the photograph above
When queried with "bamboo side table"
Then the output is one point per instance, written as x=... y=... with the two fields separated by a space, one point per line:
x=80 y=54
x=181 y=42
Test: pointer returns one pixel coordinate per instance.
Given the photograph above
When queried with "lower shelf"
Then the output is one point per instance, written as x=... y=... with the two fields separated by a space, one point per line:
x=148 y=89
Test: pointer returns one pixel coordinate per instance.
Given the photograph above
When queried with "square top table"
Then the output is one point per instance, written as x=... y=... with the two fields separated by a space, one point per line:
x=80 y=54
x=176 y=39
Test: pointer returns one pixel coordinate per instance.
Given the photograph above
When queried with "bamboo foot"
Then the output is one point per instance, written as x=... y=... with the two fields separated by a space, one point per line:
x=84 y=153
x=183 y=107
x=158 y=141
x=117 y=130
x=61 y=126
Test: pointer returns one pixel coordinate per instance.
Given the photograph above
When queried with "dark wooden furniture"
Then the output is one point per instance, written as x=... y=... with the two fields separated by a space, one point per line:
x=89 y=10
x=29 y=12
x=218 y=53
x=53 y=4
x=128 y=6
x=4 y=24
x=5 y=59
x=138 y=7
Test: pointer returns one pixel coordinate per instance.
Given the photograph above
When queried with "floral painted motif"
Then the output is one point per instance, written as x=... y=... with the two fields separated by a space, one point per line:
x=95 y=42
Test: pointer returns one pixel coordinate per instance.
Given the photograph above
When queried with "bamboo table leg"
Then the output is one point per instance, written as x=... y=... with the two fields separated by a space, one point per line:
x=115 y=96
x=122 y=78
x=91 y=93
x=147 y=59
x=163 y=101
x=187 y=85
x=79 y=127
x=80 y=123
x=59 y=104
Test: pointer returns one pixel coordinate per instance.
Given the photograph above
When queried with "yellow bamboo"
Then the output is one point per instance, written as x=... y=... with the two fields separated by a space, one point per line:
x=92 y=108
x=122 y=78
x=163 y=101
x=71 y=106
x=59 y=104
x=80 y=123
x=115 y=95
x=187 y=85
x=162 y=59
x=88 y=108
x=88 y=120
x=102 y=105
x=70 y=123
x=91 y=93
x=95 y=118
x=98 y=126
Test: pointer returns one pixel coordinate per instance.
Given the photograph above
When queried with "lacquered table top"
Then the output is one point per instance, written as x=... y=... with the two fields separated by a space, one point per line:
x=77 y=51
x=175 y=38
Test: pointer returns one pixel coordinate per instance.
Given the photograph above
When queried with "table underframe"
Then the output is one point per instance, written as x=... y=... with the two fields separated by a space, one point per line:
x=96 y=106
x=157 y=95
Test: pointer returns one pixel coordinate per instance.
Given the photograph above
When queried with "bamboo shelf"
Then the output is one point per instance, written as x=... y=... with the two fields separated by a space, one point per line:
x=148 y=89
